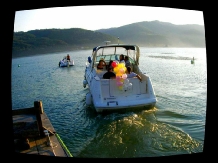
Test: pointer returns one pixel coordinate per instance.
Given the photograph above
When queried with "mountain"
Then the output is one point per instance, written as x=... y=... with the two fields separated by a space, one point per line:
x=159 y=34
x=147 y=34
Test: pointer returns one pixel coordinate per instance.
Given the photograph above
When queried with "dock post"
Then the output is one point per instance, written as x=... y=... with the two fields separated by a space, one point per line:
x=39 y=111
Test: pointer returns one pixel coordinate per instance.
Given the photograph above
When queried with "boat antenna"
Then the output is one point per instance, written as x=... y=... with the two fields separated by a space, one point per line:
x=118 y=40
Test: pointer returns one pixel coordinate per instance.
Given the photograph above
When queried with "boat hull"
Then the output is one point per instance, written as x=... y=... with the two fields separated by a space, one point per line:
x=66 y=63
x=138 y=106
x=106 y=96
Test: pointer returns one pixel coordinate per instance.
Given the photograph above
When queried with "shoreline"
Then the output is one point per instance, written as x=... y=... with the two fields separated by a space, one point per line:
x=39 y=52
x=43 y=52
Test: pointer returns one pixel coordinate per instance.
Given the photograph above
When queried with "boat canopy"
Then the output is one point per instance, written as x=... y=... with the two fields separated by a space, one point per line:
x=130 y=50
x=127 y=47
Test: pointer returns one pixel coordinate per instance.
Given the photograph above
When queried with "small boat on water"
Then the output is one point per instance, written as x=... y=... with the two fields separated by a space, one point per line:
x=193 y=61
x=66 y=63
x=122 y=92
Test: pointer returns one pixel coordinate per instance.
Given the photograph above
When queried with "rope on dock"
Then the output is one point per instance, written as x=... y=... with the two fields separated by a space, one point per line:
x=63 y=145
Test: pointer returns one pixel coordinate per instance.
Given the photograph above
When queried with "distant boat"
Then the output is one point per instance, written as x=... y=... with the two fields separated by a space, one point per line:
x=65 y=63
x=193 y=61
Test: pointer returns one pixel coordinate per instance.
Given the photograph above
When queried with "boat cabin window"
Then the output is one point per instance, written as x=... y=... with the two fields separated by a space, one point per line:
x=131 y=60
x=106 y=58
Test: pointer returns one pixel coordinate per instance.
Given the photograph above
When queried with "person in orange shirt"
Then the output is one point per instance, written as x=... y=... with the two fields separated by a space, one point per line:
x=68 y=57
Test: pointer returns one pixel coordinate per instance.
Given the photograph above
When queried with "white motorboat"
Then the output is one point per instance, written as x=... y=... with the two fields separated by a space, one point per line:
x=193 y=61
x=120 y=93
x=66 y=63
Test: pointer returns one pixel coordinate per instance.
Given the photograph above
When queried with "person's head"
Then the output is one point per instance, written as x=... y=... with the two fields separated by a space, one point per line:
x=110 y=68
x=121 y=57
x=110 y=62
x=129 y=69
x=126 y=58
x=101 y=62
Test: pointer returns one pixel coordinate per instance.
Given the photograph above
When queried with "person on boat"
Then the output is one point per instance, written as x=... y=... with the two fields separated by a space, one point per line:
x=127 y=63
x=110 y=64
x=122 y=59
x=68 y=57
x=131 y=74
x=102 y=64
x=109 y=74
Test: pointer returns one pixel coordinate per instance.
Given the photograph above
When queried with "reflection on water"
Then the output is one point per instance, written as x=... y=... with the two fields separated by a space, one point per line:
x=171 y=57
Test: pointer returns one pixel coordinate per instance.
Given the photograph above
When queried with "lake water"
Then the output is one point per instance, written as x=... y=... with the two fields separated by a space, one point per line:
x=175 y=126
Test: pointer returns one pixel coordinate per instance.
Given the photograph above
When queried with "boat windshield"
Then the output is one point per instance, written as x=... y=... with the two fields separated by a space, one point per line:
x=113 y=53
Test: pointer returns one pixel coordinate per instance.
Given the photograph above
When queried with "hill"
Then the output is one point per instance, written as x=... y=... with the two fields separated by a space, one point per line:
x=159 y=34
x=55 y=40
x=147 y=34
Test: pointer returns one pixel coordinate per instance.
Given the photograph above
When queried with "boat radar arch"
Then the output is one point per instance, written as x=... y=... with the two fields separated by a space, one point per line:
x=106 y=42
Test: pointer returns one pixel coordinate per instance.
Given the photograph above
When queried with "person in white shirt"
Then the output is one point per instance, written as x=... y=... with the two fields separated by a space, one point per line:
x=122 y=59
x=131 y=74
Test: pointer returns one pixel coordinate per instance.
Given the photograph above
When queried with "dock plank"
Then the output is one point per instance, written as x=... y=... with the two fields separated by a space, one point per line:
x=43 y=148
x=29 y=131
x=47 y=124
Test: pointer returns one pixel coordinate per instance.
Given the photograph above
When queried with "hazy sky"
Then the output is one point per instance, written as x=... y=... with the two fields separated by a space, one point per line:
x=98 y=17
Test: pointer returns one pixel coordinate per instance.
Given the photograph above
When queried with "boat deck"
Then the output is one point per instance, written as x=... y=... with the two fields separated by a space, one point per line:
x=29 y=134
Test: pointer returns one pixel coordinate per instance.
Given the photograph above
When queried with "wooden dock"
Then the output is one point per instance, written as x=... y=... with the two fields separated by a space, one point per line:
x=34 y=133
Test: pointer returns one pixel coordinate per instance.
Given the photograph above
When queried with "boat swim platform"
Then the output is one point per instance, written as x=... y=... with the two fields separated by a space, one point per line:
x=34 y=133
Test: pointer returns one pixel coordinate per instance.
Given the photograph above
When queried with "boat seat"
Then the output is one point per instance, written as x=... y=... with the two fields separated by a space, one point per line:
x=105 y=84
x=109 y=88
x=100 y=73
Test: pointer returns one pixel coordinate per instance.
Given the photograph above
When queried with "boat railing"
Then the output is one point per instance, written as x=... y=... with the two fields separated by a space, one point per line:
x=109 y=88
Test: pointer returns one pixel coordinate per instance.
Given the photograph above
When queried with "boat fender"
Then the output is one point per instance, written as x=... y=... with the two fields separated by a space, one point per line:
x=85 y=83
x=88 y=99
x=89 y=59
